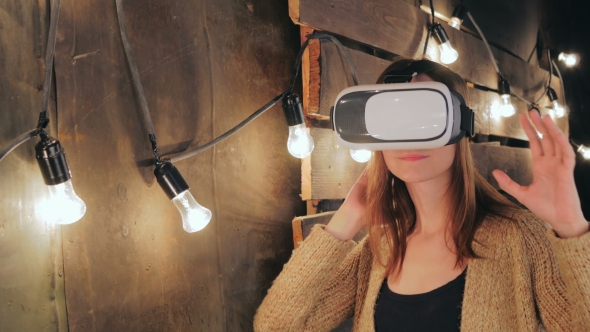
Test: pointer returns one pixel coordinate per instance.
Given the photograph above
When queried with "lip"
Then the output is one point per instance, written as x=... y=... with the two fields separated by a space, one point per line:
x=412 y=157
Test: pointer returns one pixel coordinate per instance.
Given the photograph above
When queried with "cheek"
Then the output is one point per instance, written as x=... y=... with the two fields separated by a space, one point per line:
x=438 y=163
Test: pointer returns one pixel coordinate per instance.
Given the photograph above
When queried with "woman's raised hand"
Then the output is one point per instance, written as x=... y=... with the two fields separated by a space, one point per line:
x=552 y=195
x=350 y=218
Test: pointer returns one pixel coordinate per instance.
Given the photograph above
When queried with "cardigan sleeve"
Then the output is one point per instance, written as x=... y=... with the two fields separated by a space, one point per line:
x=316 y=289
x=561 y=278
x=573 y=257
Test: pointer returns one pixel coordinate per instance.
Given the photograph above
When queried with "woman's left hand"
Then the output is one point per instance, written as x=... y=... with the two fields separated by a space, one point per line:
x=552 y=196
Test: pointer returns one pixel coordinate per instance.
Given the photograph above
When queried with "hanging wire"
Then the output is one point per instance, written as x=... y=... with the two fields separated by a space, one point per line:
x=137 y=81
x=429 y=33
x=485 y=41
x=343 y=53
x=227 y=134
x=43 y=120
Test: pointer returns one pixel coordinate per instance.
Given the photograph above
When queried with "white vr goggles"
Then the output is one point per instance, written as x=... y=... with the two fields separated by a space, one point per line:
x=403 y=116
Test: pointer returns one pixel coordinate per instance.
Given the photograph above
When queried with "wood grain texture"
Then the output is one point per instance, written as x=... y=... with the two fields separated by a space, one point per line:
x=333 y=172
x=205 y=66
x=400 y=28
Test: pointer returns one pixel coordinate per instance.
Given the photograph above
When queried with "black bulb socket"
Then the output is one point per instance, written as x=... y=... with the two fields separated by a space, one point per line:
x=460 y=12
x=170 y=180
x=52 y=161
x=551 y=94
x=293 y=109
x=504 y=87
x=440 y=33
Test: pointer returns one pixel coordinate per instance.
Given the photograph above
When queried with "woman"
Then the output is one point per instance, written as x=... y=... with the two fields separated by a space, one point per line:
x=445 y=250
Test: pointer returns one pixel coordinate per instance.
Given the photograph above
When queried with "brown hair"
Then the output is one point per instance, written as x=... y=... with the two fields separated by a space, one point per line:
x=391 y=212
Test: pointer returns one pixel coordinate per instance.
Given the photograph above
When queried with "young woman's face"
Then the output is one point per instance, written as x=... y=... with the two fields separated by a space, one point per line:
x=413 y=166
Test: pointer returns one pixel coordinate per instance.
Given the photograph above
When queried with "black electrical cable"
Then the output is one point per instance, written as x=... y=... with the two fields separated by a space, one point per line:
x=137 y=81
x=429 y=28
x=15 y=143
x=43 y=120
x=197 y=150
x=189 y=153
x=343 y=53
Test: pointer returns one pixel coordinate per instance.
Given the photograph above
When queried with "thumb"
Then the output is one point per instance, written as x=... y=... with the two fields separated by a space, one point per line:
x=507 y=184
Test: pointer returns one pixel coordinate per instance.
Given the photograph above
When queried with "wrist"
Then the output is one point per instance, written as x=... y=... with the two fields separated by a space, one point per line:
x=346 y=223
x=575 y=230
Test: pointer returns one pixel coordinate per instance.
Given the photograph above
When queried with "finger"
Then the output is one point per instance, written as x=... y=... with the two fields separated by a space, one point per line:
x=546 y=140
x=531 y=133
x=561 y=143
x=551 y=131
x=509 y=186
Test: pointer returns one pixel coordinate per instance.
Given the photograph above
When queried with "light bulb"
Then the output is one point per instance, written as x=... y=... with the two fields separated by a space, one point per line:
x=506 y=108
x=458 y=16
x=360 y=156
x=194 y=216
x=559 y=110
x=64 y=206
x=447 y=53
x=584 y=151
x=455 y=22
x=569 y=60
x=300 y=144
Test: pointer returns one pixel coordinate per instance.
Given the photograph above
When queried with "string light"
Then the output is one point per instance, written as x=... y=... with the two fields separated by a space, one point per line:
x=558 y=109
x=569 y=59
x=458 y=16
x=448 y=54
x=361 y=156
x=506 y=109
x=64 y=206
x=194 y=216
x=581 y=149
x=300 y=144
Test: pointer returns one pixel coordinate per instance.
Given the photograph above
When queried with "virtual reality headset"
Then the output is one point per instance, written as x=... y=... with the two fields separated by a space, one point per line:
x=403 y=116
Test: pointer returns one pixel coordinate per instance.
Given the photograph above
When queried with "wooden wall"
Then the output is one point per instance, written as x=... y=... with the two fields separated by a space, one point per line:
x=31 y=267
x=376 y=31
x=128 y=264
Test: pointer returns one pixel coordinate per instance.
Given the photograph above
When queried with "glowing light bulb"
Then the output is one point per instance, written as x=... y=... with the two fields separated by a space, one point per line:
x=506 y=108
x=458 y=16
x=584 y=151
x=558 y=109
x=300 y=144
x=64 y=206
x=447 y=53
x=361 y=156
x=194 y=216
x=569 y=60
x=455 y=22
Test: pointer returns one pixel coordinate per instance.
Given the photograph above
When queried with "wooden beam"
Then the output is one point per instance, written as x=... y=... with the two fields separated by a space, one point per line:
x=332 y=172
x=400 y=28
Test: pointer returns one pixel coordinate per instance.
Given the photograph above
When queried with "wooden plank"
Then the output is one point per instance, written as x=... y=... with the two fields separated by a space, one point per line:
x=329 y=172
x=129 y=265
x=400 y=28
x=333 y=172
x=302 y=226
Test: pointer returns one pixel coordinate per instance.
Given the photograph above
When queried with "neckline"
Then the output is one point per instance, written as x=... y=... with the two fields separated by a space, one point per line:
x=424 y=296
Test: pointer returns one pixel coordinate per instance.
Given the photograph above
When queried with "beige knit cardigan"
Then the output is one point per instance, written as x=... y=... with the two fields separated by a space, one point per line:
x=526 y=279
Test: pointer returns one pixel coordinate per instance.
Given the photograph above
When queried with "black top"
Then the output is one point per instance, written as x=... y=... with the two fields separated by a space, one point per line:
x=437 y=310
